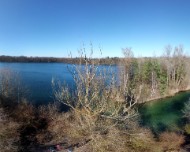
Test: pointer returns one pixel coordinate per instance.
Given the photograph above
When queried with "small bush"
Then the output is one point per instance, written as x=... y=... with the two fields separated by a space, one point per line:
x=171 y=141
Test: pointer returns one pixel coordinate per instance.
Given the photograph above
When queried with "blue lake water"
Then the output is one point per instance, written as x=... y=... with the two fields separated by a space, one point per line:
x=37 y=78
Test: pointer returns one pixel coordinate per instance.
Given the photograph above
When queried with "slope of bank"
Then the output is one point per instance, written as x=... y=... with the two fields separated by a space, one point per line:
x=170 y=94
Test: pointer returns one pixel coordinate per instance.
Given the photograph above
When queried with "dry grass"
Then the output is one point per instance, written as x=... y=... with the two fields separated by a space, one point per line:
x=8 y=133
x=102 y=135
x=171 y=141
x=88 y=132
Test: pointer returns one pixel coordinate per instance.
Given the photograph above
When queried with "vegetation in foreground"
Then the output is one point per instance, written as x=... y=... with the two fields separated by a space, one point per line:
x=103 y=114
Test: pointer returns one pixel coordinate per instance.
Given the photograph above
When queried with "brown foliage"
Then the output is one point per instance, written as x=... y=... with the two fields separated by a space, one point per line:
x=171 y=141
x=8 y=133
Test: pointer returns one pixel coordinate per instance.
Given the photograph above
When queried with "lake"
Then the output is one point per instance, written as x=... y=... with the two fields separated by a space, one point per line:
x=165 y=114
x=37 y=78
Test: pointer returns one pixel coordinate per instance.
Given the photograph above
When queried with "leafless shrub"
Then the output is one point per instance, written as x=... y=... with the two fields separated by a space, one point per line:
x=96 y=94
x=171 y=141
x=49 y=111
x=23 y=113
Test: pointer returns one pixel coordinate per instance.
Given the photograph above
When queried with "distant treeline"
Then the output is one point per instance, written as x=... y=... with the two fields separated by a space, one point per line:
x=107 y=60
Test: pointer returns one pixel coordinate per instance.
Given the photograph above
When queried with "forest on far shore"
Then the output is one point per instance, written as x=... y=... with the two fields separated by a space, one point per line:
x=70 y=60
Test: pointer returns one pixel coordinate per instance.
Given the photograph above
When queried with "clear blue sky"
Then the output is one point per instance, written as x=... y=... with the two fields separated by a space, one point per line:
x=56 y=27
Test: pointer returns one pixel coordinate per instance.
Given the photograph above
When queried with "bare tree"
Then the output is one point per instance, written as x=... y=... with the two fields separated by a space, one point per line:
x=97 y=92
x=168 y=62
x=176 y=64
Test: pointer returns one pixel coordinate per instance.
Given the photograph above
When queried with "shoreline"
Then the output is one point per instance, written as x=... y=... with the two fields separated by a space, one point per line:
x=167 y=96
